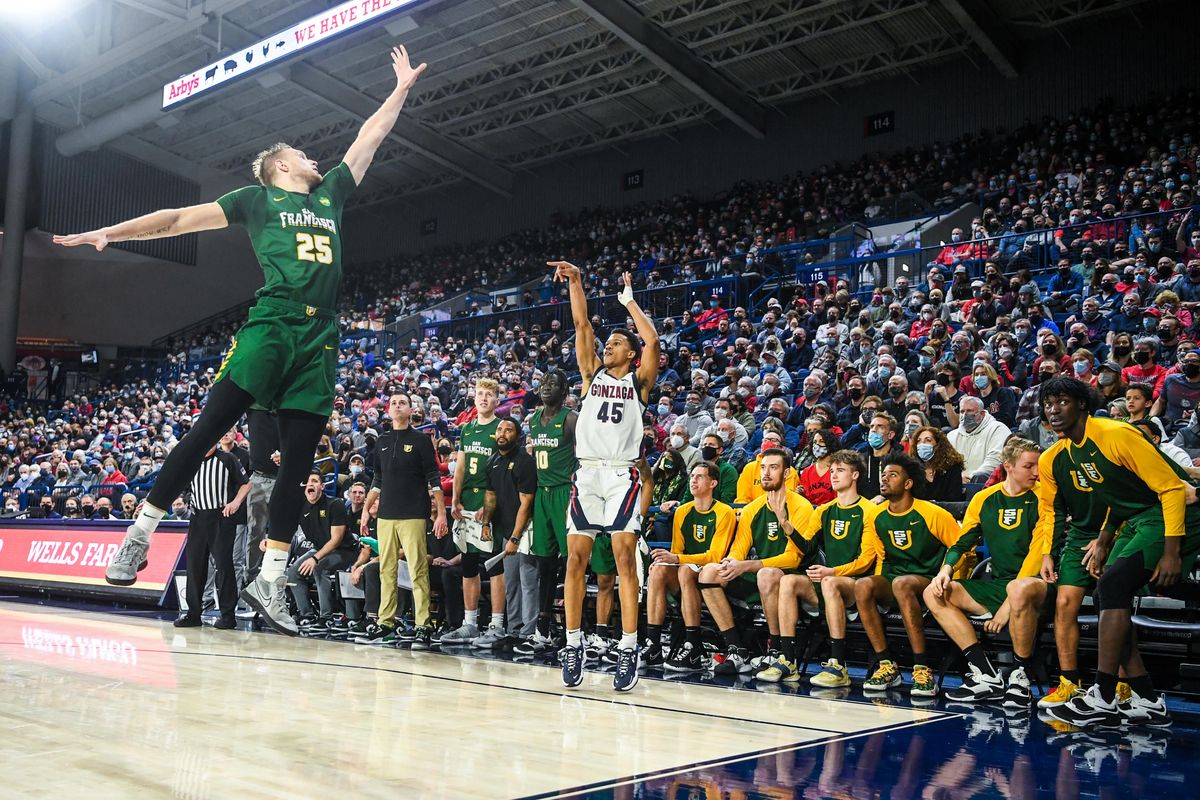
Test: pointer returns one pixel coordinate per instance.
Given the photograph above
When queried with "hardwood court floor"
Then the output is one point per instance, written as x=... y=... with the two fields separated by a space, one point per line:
x=99 y=705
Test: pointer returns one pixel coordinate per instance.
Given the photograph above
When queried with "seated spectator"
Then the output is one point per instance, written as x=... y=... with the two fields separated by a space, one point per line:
x=943 y=465
x=1180 y=393
x=979 y=438
x=944 y=396
x=103 y=508
x=129 y=504
x=1000 y=401
x=1138 y=401
x=881 y=443
x=814 y=479
x=1146 y=370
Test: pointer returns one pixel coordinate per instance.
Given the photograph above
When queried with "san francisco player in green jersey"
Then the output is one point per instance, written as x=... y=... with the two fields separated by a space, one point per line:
x=1005 y=518
x=1149 y=498
x=285 y=357
x=477 y=443
x=552 y=437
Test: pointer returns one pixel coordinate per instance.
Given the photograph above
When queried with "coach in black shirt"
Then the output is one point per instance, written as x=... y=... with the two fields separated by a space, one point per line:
x=508 y=506
x=323 y=522
x=406 y=474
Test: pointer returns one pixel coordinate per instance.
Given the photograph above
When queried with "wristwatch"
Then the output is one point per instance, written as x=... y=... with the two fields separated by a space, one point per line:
x=515 y=539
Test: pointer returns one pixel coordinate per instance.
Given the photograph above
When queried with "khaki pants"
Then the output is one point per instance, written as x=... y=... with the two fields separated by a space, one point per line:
x=407 y=535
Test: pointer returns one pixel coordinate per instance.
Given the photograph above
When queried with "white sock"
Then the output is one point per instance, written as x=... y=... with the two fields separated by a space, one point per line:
x=274 y=564
x=628 y=641
x=574 y=638
x=146 y=522
x=471 y=617
x=497 y=621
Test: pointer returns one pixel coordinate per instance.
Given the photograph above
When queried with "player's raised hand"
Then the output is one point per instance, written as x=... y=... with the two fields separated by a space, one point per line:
x=406 y=74
x=564 y=270
x=96 y=239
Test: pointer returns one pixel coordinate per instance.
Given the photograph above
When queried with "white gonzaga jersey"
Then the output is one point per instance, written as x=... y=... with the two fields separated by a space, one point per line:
x=610 y=420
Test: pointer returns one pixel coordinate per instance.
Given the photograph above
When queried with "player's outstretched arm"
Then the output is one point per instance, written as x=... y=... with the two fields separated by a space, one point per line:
x=647 y=371
x=379 y=124
x=585 y=337
x=158 y=225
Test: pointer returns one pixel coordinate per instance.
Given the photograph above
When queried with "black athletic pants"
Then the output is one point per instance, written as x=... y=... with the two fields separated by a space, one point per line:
x=299 y=432
x=211 y=532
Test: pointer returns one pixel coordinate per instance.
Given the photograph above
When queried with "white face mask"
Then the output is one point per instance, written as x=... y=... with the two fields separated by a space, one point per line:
x=676 y=442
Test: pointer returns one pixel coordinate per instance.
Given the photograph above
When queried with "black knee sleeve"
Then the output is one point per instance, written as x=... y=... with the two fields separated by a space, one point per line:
x=226 y=404
x=1121 y=582
x=299 y=433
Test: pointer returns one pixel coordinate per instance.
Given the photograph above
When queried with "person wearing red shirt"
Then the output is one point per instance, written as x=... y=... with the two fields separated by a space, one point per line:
x=1145 y=370
x=709 y=318
x=814 y=479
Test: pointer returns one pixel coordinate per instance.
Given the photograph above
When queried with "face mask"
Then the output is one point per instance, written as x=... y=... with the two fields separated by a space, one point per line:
x=811 y=391
x=885 y=373
x=895 y=391
x=1106 y=379
x=355 y=469
x=691 y=408
x=102 y=513
x=1142 y=357
x=110 y=469
x=1191 y=370
x=910 y=429
x=1022 y=334
x=943 y=379
x=820 y=450
x=926 y=362
x=676 y=442
x=663 y=409
x=970 y=422
x=981 y=381
x=708 y=452
x=1080 y=367
x=875 y=439
x=924 y=451
x=444 y=451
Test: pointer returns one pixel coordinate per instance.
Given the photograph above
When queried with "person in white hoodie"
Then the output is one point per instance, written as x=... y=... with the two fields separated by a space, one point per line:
x=979 y=437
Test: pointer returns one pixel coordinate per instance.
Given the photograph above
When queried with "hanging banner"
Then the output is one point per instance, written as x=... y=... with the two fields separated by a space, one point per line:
x=300 y=38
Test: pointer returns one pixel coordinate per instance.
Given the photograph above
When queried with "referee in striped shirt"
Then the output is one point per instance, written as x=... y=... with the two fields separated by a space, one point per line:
x=218 y=490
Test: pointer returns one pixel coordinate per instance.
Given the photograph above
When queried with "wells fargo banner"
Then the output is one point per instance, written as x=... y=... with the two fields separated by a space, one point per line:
x=72 y=557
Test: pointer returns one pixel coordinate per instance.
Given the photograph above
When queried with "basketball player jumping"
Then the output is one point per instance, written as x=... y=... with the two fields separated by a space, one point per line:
x=285 y=357
x=606 y=489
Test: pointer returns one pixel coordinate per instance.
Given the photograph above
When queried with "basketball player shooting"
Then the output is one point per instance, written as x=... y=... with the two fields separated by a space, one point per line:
x=285 y=357
x=606 y=488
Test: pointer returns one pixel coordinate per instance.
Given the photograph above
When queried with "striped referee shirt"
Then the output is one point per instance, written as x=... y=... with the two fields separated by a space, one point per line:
x=217 y=481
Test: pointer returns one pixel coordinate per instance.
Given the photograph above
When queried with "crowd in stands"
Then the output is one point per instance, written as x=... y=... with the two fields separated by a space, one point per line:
x=945 y=366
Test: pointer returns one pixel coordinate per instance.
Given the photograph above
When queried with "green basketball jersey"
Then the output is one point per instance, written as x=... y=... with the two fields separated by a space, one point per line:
x=840 y=528
x=1005 y=523
x=912 y=543
x=696 y=528
x=478 y=443
x=553 y=453
x=296 y=237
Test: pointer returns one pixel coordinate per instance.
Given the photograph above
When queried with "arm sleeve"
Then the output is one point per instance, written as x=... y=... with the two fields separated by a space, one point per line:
x=972 y=532
x=744 y=537
x=1050 y=511
x=429 y=465
x=745 y=483
x=339 y=182
x=1131 y=450
x=337 y=513
x=235 y=203
x=869 y=552
x=677 y=530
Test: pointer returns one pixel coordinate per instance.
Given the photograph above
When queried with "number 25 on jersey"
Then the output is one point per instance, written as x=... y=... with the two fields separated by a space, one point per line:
x=310 y=247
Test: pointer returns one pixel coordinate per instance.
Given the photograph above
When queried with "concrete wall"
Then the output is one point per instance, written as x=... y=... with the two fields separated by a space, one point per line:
x=938 y=103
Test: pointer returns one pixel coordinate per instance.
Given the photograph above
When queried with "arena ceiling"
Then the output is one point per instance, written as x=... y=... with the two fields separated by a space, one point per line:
x=511 y=83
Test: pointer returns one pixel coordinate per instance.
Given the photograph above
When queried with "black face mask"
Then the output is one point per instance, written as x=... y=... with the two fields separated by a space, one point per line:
x=1049 y=348
x=943 y=379
x=708 y=452
x=895 y=391
x=1191 y=370
x=1121 y=350
x=647 y=443
x=444 y=451
x=856 y=394
x=1142 y=357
